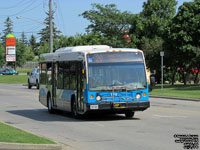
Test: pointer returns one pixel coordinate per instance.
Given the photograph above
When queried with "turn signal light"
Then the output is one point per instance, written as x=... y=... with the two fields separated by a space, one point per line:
x=91 y=96
x=144 y=94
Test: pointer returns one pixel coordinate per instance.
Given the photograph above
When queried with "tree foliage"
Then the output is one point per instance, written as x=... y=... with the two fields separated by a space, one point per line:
x=23 y=39
x=33 y=45
x=8 y=29
x=183 y=38
x=45 y=32
x=109 y=22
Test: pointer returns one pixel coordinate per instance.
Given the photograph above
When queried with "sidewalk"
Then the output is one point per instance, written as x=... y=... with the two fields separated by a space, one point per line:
x=20 y=146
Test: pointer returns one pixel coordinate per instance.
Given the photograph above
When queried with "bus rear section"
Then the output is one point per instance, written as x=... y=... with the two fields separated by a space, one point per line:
x=117 y=82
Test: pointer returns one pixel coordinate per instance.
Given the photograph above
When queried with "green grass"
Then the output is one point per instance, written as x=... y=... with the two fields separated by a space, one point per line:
x=12 y=135
x=182 y=91
x=13 y=79
x=20 y=70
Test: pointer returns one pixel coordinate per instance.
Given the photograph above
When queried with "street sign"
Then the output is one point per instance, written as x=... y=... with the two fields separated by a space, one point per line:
x=10 y=42
x=10 y=58
x=10 y=35
x=162 y=53
x=10 y=48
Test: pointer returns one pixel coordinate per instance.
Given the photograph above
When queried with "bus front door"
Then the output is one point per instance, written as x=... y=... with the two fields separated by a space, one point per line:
x=54 y=79
x=80 y=87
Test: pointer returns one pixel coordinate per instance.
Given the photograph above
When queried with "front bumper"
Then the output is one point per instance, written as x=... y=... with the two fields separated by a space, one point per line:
x=133 y=106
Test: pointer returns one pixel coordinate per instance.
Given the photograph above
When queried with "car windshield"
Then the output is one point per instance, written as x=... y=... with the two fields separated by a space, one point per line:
x=105 y=76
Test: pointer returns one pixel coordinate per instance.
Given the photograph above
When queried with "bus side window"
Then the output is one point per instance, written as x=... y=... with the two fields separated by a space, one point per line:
x=49 y=73
x=66 y=71
x=43 y=73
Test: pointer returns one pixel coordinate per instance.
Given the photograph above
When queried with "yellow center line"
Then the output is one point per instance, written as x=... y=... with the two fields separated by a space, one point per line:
x=15 y=91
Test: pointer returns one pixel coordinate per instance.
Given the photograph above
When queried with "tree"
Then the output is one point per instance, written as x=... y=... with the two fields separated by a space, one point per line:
x=8 y=29
x=20 y=51
x=45 y=32
x=33 y=45
x=149 y=28
x=23 y=39
x=43 y=48
x=109 y=22
x=2 y=55
x=183 y=37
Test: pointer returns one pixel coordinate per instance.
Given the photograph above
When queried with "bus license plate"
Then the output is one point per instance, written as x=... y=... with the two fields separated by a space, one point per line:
x=94 y=106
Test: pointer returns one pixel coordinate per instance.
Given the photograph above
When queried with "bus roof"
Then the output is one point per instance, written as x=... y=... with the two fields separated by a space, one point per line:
x=82 y=48
x=77 y=53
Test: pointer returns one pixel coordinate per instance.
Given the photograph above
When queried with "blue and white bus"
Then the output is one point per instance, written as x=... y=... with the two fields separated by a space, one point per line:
x=97 y=78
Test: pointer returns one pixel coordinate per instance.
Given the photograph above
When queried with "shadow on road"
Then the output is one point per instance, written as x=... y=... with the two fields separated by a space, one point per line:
x=44 y=116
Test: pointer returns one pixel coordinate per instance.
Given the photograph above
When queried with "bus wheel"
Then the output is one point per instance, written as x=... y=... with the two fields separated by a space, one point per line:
x=37 y=85
x=50 y=109
x=74 y=109
x=29 y=85
x=129 y=114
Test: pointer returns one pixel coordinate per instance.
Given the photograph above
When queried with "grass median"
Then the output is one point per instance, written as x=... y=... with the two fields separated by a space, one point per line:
x=13 y=79
x=10 y=134
x=24 y=71
x=179 y=90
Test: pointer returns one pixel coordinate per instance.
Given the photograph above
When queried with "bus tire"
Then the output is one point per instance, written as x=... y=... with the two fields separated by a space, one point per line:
x=29 y=85
x=74 y=109
x=37 y=85
x=49 y=104
x=129 y=114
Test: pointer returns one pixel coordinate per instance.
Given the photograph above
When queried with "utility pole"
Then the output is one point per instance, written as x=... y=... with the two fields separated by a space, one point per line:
x=51 y=26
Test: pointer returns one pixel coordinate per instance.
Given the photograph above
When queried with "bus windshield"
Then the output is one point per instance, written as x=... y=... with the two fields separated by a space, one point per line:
x=104 y=76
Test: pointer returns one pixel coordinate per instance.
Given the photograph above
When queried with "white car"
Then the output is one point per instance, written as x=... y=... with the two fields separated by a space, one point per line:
x=34 y=78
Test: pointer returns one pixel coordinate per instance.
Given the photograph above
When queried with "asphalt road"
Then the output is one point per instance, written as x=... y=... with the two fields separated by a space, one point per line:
x=153 y=129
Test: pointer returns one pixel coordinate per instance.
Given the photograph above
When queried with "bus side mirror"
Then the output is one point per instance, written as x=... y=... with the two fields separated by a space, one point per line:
x=28 y=73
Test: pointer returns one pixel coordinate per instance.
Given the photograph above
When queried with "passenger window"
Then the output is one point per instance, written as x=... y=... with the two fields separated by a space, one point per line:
x=43 y=74
x=49 y=73
x=66 y=75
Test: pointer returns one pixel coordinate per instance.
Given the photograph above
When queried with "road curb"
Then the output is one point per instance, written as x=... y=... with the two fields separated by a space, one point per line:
x=20 y=146
x=176 y=98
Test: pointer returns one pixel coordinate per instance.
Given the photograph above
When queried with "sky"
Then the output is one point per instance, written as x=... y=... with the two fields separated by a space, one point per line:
x=67 y=12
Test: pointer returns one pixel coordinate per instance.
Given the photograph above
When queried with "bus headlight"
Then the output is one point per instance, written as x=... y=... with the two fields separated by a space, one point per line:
x=98 y=98
x=138 y=96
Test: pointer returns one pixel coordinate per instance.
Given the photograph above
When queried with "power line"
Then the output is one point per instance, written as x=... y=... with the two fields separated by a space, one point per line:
x=25 y=10
x=36 y=27
x=26 y=32
x=62 y=18
x=14 y=6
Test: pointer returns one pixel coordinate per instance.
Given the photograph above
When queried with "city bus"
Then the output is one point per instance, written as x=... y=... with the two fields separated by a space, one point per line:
x=92 y=79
